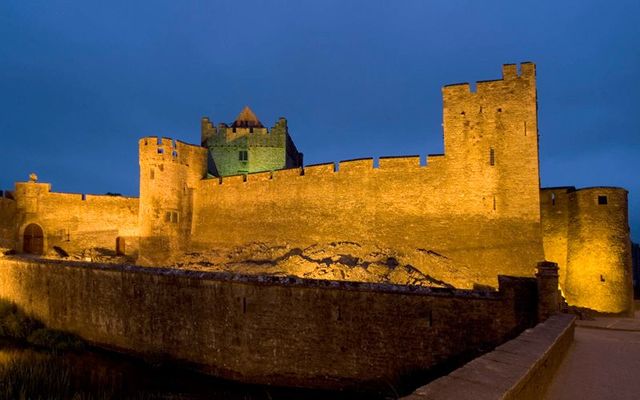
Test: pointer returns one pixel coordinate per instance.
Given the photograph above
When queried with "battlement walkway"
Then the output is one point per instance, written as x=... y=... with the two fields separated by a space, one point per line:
x=602 y=363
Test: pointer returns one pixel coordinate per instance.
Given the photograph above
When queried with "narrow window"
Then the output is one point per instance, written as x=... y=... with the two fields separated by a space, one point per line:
x=492 y=157
x=250 y=130
x=167 y=216
x=494 y=203
x=602 y=278
x=152 y=174
x=602 y=200
x=160 y=150
x=525 y=128
x=243 y=155
x=553 y=199
x=234 y=130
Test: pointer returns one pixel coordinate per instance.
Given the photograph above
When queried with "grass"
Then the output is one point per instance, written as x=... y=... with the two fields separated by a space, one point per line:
x=45 y=376
x=34 y=378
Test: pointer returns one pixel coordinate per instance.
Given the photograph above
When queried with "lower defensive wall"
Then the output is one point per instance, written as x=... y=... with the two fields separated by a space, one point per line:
x=282 y=331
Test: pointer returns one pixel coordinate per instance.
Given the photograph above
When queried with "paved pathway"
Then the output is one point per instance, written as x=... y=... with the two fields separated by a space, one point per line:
x=603 y=362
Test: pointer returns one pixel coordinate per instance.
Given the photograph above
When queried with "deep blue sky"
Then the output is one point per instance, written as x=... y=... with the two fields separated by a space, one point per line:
x=81 y=81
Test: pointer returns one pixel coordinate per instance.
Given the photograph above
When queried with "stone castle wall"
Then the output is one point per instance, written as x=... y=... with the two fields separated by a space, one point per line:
x=281 y=331
x=477 y=204
x=7 y=222
x=586 y=232
x=74 y=222
x=399 y=205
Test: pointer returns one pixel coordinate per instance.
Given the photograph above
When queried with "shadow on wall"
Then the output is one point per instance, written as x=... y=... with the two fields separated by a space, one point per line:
x=15 y=324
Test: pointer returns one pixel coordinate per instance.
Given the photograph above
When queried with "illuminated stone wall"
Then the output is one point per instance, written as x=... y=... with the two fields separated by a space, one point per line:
x=586 y=232
x=7 y=222
x=282 y=331
x=478 y=204
x=74 y=222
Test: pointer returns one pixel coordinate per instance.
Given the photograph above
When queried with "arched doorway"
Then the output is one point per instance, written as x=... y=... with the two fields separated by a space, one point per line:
x=33 y=242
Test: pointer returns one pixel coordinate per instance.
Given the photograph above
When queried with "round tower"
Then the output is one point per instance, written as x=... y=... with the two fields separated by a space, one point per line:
x=598 y=272
x=169 y=172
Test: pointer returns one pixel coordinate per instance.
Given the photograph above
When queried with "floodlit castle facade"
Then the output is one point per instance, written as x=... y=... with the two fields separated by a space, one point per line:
x=479 y=204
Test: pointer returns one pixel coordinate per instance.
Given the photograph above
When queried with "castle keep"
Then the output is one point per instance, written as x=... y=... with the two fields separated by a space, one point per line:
x=479 y=205
x=247 y=146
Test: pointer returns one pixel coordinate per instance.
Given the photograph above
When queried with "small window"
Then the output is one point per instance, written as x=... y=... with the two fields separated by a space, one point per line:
x=602 y=200
x=243 y=155
x=160 y=150
x=174 y=217
x=553 y=199
x=492 y=157
x=174 y=154
x=250 y=130
x=152 y=174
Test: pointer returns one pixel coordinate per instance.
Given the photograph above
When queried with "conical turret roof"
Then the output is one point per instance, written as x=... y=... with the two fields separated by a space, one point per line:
x=247 y=119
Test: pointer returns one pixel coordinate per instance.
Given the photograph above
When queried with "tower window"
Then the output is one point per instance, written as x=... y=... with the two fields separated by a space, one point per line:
x=602 y=200
x=492 y=156
x=243 y=155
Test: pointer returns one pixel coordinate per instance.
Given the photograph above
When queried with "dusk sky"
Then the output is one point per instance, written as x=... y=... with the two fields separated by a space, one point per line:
x=81 y=81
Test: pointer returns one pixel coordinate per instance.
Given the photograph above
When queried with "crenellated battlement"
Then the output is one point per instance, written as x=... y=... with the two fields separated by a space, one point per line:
x=243 y=134
x=165 y=149
x=360 y=166
x=510 y=74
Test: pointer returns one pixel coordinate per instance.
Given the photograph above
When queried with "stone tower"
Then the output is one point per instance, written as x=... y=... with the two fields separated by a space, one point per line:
x=169 y=172
x=491 y=140
x=586 y=232
x=491 y=159
x=246 y=146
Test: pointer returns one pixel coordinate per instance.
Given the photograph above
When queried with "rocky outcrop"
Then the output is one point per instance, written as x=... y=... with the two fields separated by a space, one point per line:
x=335 y=261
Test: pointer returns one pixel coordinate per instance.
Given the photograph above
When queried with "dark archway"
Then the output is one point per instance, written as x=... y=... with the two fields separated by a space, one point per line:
x=33 y=239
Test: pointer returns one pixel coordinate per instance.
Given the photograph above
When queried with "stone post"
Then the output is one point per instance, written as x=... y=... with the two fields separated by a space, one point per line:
x=547 y=277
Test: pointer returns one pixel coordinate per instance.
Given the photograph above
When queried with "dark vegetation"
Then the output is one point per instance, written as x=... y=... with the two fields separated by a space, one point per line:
x=18 y=326
x=42 y=374
x=37 y=363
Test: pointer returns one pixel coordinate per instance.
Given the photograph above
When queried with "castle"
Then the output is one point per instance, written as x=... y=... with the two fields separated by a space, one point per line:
x=479 y=204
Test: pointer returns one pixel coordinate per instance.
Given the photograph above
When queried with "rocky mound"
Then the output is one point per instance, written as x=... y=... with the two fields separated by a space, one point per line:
x=336 y=261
